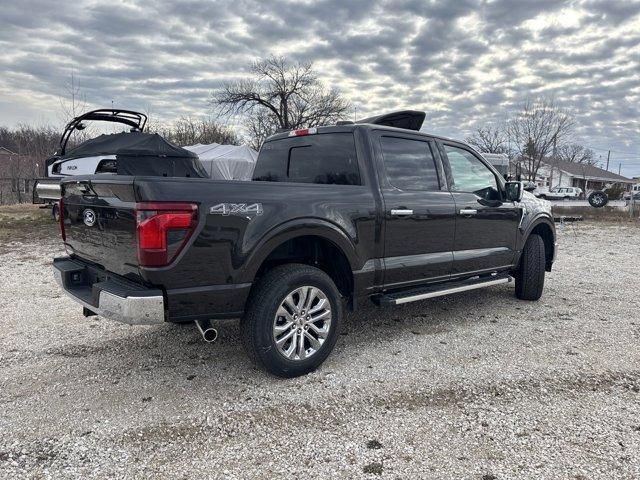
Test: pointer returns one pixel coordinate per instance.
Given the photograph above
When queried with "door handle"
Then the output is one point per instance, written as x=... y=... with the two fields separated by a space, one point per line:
x=468 y=211
x=401 y=212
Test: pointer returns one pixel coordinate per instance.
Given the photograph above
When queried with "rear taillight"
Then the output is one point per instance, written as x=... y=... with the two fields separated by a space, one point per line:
x=61 y=219
x=162 y=230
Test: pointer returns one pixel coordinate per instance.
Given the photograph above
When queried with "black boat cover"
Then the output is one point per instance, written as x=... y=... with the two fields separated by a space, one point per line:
x=139 y=153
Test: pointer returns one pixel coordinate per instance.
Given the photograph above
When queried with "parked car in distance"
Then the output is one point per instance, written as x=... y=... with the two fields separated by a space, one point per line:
x=635 y=190
x=335 y=216
x=560 y=193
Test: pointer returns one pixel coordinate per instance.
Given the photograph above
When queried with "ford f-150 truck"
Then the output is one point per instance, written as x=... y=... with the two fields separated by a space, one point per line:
x=335 y=215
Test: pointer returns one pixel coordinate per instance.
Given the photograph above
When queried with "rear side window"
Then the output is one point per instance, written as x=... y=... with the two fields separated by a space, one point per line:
x=328 y=158
x=409 y=164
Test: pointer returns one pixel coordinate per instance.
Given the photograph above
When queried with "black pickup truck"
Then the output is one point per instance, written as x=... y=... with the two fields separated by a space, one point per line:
x=334 y=216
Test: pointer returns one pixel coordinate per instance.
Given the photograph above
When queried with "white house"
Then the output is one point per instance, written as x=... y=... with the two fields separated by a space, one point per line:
x=569 y=174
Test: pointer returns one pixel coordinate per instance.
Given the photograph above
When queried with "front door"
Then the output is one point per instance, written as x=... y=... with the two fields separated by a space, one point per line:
x=419 y=215
x=486 y=224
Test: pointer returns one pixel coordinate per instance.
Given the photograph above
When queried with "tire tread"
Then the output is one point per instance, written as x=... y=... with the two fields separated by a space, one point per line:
x=530 y=274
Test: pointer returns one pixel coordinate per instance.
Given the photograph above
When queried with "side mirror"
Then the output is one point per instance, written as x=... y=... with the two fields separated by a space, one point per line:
x=513 y=191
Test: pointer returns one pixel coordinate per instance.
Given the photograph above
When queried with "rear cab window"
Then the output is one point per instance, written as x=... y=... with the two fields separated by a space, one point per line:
x=328 y=158
x=409 y=164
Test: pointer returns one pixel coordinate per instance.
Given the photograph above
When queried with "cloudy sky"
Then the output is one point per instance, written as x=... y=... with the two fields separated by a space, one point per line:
x=465 y=62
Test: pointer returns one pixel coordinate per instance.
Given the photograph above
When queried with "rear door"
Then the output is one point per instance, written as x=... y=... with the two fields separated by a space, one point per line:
x=486 y=225
x=419 y=213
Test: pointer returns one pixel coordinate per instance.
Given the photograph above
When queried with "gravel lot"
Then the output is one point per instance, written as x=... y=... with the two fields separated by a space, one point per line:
x=471 y=386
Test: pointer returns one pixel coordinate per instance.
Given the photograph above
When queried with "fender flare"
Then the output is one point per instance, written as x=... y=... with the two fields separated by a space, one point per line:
x=533 y=223
x=298 y=228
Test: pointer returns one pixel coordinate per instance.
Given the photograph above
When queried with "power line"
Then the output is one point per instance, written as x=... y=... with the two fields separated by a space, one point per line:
x=620 y=152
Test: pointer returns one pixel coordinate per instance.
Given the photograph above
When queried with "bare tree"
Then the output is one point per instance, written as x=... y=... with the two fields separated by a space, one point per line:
x=279 y=95
x=189 y=131
x=259 y=126
x=33 y=144
x=536 y=131
x=575 y=153
x=490 y=139
x=73 y=102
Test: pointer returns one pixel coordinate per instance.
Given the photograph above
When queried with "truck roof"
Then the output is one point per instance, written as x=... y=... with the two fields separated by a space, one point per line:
x=400 y=121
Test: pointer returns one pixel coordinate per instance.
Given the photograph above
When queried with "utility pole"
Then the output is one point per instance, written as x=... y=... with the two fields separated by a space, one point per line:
x=608 y=157
x=619 y=167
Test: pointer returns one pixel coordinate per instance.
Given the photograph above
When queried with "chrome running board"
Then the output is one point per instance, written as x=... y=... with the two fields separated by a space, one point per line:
x=432 y=291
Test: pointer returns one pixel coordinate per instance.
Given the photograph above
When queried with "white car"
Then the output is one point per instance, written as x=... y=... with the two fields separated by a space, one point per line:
x=635 y=189
x=562 y=193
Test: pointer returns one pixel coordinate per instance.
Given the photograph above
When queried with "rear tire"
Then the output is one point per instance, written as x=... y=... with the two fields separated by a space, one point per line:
x=530 y=274
x=55 y=212
x=264 y=316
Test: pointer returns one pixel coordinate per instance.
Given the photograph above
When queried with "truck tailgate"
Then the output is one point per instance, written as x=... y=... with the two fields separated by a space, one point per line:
x=100 y=223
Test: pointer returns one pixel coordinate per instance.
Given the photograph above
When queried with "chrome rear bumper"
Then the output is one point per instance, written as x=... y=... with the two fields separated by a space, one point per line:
x=133 y=305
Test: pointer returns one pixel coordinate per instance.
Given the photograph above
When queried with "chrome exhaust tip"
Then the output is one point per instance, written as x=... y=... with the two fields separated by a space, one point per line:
x=209 y=334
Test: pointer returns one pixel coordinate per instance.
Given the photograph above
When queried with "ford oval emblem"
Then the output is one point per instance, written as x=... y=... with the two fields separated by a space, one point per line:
x=89 y=217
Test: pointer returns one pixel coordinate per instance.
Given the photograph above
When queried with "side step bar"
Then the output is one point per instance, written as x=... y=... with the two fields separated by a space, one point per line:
x=431 y=291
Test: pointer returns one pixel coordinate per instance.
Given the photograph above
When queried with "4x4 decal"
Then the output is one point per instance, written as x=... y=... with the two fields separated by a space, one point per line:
x=236 y=208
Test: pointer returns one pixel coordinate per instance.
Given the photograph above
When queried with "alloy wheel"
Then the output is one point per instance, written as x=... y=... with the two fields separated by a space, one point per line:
x=302 y=323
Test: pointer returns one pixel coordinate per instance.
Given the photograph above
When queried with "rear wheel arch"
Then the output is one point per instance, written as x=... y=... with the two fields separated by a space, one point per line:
x=322 y=248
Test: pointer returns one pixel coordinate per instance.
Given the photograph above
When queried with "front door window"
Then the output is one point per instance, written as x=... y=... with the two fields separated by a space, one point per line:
x=470 y=175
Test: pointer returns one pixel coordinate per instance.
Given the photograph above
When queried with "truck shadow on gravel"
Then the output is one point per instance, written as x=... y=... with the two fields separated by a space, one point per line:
x=178 y=349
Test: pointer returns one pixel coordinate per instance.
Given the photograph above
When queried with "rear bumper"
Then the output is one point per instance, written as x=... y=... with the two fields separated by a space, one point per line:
x=107 y=295
x=46 y=190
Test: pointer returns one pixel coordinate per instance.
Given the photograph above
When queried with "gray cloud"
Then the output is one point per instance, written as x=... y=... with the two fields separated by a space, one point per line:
x=465 y=63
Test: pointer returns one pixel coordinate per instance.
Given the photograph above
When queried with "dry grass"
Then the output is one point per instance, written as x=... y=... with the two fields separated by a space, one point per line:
x=24 y=222
x=604 y=214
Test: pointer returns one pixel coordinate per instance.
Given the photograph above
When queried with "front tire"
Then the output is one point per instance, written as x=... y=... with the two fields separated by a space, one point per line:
x=292 y=321
x=530 y=274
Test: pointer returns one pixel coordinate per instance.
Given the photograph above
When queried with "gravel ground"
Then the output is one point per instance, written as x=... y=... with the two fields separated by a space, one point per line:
x=470 y=386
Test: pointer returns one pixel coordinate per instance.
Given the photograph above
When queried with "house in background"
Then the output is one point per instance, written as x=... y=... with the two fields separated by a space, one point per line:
x=556 y=173
x=5 y=153
x=586 y=177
